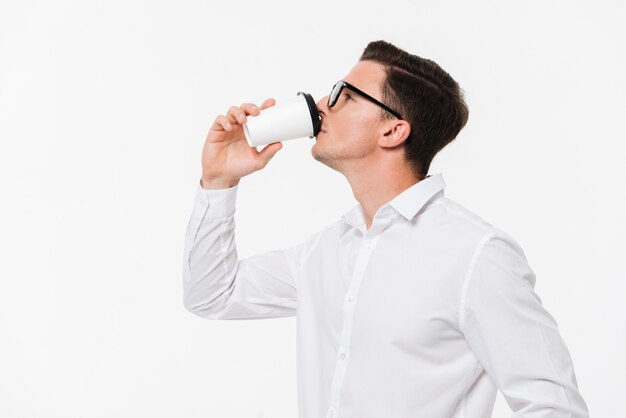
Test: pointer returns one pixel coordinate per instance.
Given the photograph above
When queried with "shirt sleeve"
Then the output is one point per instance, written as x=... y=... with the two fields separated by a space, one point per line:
x=216 y=284
x=514 y=337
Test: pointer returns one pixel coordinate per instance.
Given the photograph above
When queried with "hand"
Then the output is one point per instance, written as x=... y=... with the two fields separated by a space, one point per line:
x=226 y=156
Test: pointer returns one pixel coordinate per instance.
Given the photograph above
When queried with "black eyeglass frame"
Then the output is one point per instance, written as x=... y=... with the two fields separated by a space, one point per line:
x=334 y=96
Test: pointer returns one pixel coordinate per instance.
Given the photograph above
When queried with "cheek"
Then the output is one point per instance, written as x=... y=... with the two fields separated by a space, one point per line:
x=356 y=129
x=360 y=130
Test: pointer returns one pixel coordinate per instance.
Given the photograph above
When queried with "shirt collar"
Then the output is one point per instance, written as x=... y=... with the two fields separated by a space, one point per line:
x=408 y=203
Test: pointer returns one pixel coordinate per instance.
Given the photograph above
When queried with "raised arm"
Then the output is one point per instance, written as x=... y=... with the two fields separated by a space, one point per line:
x=216 y=284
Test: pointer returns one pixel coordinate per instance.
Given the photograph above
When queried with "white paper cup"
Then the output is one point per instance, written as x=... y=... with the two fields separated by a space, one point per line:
x=291 y=119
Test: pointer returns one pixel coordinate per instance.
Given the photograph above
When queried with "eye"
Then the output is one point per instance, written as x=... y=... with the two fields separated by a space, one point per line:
x=348 y=97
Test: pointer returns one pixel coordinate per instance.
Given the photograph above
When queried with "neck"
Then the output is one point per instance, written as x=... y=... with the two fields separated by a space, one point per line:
x=375 y=187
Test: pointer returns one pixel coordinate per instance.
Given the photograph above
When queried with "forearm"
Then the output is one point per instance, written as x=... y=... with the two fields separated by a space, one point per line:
x=210 y=263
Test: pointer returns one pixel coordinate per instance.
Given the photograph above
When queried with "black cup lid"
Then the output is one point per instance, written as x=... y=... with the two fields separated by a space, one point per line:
x=315 y=117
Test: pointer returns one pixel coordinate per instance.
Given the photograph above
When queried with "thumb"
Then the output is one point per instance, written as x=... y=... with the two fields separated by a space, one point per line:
x=268 y=152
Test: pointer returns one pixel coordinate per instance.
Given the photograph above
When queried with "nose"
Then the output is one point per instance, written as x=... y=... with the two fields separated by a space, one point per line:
x=322 y=108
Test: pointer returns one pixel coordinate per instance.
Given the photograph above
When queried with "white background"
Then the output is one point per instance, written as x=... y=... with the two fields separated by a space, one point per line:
x=104 y=107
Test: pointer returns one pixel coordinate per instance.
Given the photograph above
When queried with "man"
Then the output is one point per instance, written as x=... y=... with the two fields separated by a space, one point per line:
x=409 y=305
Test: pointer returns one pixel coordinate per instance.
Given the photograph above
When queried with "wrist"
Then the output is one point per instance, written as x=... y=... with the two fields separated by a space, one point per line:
x=211 y=184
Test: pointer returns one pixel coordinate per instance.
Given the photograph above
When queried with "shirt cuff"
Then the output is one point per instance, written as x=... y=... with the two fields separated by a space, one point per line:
x=220 y=202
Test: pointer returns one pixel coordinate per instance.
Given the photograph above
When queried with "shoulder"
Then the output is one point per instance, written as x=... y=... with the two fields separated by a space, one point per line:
x=457 y=223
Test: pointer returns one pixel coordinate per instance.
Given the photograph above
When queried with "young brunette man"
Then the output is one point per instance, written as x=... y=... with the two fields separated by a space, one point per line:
x=409 y=305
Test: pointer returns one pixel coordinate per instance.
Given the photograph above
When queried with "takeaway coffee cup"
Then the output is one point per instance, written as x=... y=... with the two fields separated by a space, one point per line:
x=294 y=118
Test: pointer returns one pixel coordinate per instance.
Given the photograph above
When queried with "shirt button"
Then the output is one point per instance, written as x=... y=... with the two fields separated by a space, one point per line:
x=342 y=356
x=350 y=298
x=331 y=413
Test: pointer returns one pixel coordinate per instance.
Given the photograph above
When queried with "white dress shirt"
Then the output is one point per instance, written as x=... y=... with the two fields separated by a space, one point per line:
x=424 y=315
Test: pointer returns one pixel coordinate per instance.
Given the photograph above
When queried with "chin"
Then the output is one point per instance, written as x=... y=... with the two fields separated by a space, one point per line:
x=316 y=154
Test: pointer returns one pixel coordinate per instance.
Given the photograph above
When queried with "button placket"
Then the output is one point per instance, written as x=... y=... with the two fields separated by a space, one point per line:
x=346 y=331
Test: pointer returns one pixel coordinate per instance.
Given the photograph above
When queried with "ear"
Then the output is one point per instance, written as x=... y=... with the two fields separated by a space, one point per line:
x=395 y=132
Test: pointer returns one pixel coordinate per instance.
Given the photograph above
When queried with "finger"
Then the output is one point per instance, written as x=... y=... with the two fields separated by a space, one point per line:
x=268 y=152
x=268 y=103
x=250 y=109
x=236 y=115
x=222 y=123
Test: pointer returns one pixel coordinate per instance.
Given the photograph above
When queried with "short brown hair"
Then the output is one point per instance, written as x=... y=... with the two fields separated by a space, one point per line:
x=426 y=96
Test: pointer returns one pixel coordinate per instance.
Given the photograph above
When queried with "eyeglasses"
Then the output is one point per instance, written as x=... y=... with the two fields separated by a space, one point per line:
x=340 y=85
